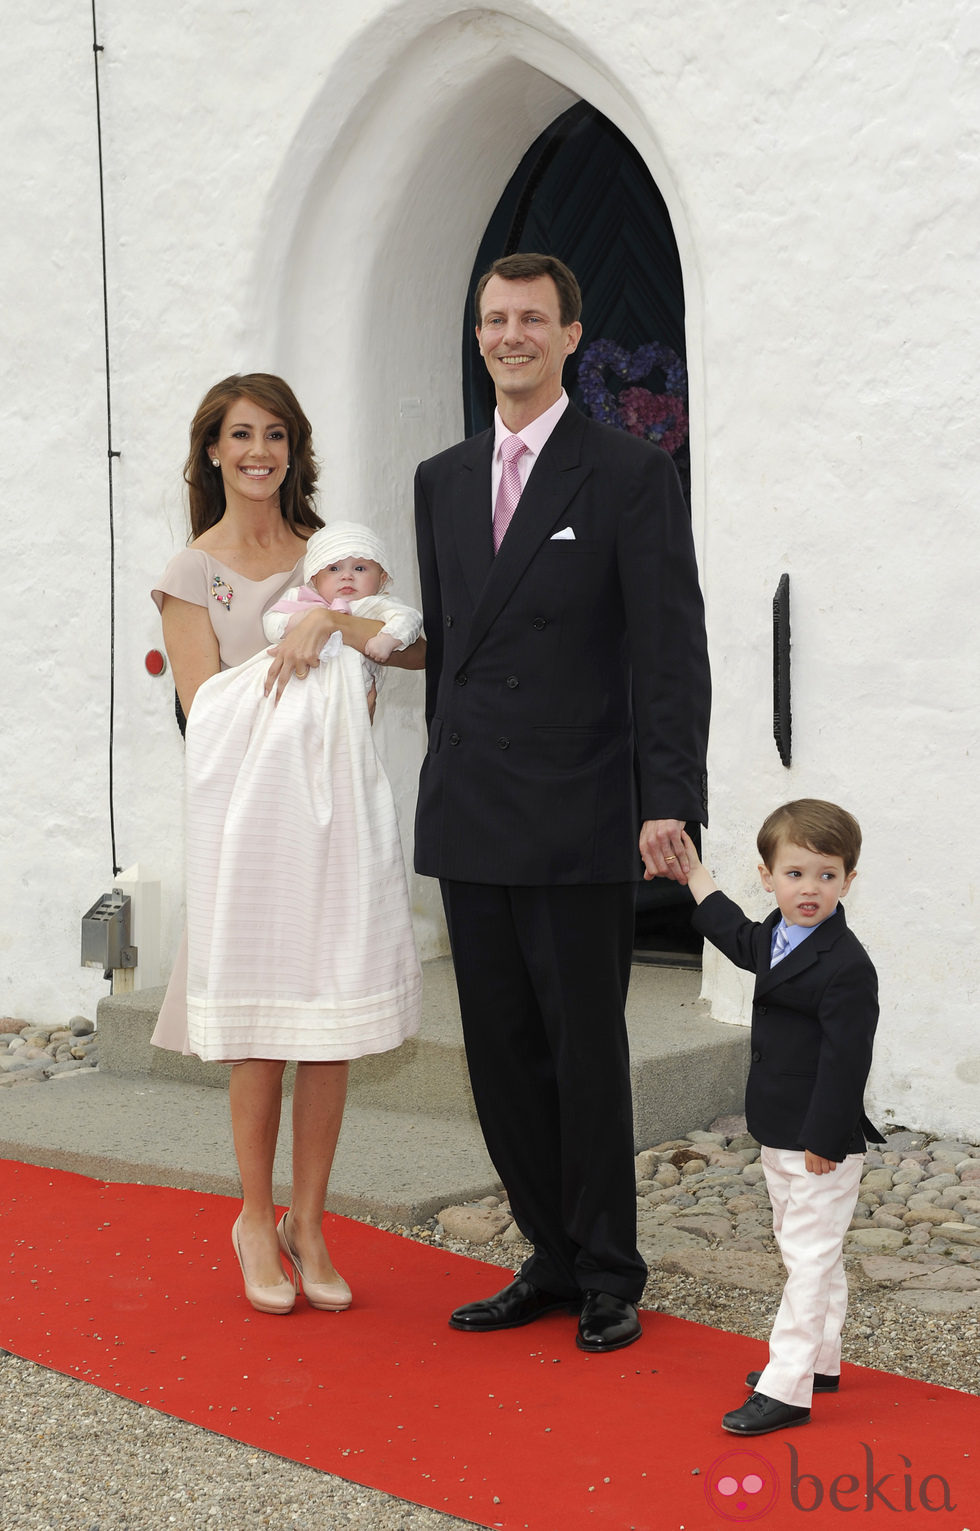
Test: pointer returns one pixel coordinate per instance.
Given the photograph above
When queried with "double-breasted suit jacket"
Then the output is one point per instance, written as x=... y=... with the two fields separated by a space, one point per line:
x=813 y=1023
x=567 y=677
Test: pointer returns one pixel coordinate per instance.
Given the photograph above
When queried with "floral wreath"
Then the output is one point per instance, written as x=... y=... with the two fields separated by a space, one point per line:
x=660 y=417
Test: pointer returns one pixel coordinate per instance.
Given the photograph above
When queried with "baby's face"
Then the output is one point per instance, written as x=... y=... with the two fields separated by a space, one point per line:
x=349 y=579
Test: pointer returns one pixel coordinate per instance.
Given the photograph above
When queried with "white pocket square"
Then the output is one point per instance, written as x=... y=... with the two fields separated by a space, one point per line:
x=565 y=535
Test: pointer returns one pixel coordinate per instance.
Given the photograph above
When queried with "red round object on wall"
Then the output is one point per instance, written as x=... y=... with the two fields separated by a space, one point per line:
x=155 y=662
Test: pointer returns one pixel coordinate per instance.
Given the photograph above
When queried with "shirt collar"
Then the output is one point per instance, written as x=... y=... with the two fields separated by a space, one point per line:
x=795 y=934
x=534 y=435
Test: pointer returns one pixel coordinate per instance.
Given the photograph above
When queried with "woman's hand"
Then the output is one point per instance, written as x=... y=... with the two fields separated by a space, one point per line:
x=298 y=651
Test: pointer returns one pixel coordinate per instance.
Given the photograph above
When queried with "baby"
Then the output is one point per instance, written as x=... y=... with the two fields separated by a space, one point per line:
x=346 y=569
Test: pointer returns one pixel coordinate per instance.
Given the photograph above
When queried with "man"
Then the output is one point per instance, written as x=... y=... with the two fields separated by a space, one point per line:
x=566 y=675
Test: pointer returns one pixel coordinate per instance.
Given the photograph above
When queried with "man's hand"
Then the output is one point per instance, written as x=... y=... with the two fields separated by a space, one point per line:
x=298 y=651
x=817 y=1165
x=662 y=850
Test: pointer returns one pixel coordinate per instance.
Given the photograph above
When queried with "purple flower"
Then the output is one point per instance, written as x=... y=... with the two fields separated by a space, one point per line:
x=659 y=417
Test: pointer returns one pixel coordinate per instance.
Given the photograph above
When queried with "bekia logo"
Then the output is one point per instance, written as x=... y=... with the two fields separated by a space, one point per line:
x=743 y=1486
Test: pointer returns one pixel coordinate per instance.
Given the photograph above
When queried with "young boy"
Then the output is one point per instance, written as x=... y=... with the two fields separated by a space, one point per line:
x=814 y=1014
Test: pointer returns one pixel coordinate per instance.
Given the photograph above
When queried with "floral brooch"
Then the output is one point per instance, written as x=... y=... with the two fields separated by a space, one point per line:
x=222 y=592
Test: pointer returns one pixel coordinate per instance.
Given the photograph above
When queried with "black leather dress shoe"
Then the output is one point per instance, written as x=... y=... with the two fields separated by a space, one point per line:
x=821 y=1384
x=606 y=1323
x=759 y=1414
x=520 y=1303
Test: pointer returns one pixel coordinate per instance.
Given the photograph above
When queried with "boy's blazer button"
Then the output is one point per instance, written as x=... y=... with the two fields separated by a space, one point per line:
x=762 y=1009
x=449 y=621
x=454 y=738
x=756 y=1056
x=539 y=622
x=513 y=682
x=462 y=678
x=503 y=744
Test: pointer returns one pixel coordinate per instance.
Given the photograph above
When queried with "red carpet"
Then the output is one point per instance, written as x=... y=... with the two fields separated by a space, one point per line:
x=136 y=1289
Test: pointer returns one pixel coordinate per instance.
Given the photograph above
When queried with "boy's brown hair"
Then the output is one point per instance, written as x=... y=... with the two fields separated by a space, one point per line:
x=820 y=826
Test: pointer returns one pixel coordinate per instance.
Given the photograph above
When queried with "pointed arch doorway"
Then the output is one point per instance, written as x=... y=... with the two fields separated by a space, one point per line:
x=583 y=193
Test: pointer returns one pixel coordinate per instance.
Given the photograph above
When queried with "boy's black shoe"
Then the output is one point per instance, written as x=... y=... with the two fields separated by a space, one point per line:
x=759 y=1414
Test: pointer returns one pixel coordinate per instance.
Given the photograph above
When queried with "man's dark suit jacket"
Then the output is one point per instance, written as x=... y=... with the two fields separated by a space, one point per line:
x=813 y=1023
x=548 y=663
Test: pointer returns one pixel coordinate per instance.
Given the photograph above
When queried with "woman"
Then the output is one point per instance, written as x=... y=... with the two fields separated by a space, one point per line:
x=251 y=476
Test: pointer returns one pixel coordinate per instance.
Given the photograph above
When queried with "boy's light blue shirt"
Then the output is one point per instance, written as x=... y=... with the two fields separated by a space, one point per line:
x=795 y=935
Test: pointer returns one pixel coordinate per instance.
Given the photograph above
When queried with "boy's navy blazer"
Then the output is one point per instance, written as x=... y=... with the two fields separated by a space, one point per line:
x=567 y=680
x=813 y=1023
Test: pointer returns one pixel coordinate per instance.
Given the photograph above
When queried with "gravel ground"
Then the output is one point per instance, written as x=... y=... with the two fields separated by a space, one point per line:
x=75 y=1458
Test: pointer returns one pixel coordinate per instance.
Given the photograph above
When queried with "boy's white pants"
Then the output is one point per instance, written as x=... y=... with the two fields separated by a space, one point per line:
x=810 y=1215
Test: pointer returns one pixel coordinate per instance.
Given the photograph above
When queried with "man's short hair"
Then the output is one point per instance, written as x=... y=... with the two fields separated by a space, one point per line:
x=820 y=826
x=526 y=267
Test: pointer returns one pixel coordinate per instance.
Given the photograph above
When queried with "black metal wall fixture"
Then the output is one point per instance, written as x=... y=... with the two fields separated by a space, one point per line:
x=782 y=718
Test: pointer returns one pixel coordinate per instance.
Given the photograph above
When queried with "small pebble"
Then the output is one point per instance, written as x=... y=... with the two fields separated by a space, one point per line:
x=701 y=1198
x=33 y=1053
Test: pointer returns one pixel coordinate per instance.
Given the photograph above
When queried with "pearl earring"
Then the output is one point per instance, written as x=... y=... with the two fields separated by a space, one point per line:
x=215 y=463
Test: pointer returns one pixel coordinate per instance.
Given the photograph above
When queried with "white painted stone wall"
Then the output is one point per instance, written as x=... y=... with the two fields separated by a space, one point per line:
x=302 y=188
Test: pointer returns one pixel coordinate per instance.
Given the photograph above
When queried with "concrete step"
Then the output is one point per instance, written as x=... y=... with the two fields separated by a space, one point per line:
x=389 y=1164
x=686 y=1068
x=426 y=1074
x=410 y=1143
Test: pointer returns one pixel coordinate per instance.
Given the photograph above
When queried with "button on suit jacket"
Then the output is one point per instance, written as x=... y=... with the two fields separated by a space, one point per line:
x=567 y=690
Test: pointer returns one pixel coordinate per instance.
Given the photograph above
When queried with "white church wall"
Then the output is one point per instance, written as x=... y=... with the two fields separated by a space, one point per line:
x=302 y=190
x=55 y=610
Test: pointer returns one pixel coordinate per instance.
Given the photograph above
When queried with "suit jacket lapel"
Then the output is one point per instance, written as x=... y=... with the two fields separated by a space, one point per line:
x=472 y=525
x=799 y=960
x=554 y=481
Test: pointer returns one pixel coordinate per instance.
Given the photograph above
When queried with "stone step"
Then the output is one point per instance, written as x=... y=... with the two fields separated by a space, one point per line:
x=410 y=1143
x=396 y=1165
x=686 y=1067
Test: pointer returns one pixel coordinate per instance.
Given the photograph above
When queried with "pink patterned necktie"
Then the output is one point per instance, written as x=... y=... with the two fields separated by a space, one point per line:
x=511 y=449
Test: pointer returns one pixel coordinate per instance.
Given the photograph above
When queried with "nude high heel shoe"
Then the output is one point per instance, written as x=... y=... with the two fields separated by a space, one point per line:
x=329 y=1296
x=265 y=1299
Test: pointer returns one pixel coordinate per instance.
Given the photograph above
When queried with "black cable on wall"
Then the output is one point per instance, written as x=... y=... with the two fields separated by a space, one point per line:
x=110 y=454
